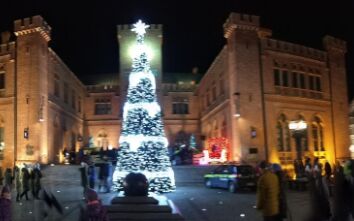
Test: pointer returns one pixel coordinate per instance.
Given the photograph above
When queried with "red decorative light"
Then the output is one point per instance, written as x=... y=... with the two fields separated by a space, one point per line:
x=216 y=145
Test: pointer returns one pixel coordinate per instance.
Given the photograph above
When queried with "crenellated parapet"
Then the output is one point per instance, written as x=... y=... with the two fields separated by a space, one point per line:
x=31 y=25
x=8 y=48
x=240 y=21
x=291 y=48
x=331 y=43
x=179 y=87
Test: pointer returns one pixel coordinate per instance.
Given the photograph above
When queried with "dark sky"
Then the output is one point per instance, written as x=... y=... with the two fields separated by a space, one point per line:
x=84 y=32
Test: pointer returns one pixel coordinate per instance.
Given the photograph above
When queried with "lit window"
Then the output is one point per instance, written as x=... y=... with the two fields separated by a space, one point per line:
x=2 y=143
x=317 y=135
x=283 y=134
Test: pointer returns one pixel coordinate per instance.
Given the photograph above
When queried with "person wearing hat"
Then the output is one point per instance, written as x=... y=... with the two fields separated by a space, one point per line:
x=268 y=193
x=5 y=204
x=94 y=210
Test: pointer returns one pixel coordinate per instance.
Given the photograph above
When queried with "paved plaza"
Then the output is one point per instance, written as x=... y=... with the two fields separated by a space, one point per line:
x=192 y=199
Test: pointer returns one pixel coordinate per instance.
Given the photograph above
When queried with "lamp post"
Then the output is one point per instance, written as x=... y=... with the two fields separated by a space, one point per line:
x=298 y=128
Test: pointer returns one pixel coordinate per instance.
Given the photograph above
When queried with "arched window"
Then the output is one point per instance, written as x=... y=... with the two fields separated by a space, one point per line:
x=280 y=143
x=317 y=134
x=305 y=144
x=2 y=138
x=283 y=134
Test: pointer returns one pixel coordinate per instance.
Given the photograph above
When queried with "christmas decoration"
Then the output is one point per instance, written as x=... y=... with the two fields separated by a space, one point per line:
x=143 y=144
x=217 y=151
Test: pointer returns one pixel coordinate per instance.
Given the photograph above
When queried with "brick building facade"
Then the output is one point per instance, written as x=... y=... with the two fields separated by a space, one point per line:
x=254 y=87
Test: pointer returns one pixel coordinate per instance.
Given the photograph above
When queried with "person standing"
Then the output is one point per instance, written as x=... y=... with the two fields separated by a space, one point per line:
x=36 y=177
x=277 y=170
x=8 y=178
x=25 y=182
x=18 y=184
x=268 y=193
x=342 y=198
x=92 y=175
x=5 y=204
x=83 y=173
x=319 y=197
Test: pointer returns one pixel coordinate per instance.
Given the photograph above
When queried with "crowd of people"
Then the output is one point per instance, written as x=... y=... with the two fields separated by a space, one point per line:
x=331 y=192
x=22 y=180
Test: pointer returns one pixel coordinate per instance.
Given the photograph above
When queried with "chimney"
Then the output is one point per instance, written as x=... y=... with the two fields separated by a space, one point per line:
x=5 y=37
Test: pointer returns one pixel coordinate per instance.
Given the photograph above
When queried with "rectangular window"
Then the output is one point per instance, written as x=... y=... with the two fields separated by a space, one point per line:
x=285 y=79
x=222 y=89
x=56 y=86
x=213 y=93
x=302 y=81
x=66 y=93
x=276 y=77
x=294 y=80
x=73 y=100
x=79 y=105
x=318 y=84
x=311 y=83
x=2 y=80
x=103 y=107
x=208 y=98
x=180 y=105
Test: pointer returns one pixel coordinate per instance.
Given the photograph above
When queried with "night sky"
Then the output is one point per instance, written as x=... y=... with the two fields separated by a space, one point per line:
x=84 y=32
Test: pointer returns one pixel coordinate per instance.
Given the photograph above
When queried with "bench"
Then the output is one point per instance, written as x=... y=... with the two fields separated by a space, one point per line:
x=134 y=200
x=140 y=208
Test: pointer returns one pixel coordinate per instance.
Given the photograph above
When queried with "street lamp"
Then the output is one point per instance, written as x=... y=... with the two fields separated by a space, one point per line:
x=298 y=129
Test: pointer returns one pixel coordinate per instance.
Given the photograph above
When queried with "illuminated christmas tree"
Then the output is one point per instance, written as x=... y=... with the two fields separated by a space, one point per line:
x=143 y=144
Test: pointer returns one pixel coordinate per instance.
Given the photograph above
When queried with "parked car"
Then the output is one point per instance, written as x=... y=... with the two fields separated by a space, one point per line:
x=232 y=177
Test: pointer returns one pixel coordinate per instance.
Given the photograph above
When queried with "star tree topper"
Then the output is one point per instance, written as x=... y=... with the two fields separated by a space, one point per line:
x=140 y=27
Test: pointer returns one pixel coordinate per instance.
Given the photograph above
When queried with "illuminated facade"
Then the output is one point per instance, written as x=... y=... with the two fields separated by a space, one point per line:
x=253 y=88
x=257 y=84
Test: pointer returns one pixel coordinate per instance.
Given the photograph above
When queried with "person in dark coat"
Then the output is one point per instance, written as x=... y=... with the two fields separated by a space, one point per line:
x=328 y=170
x=91 y=175
x=342 y=197
x=25 y=182
x=36 y=181
x=277 y=170
x=8 y=177
x=83 y=173
x=5 y=204
x=103 y=176
x=94 y=210
x=319 y=198
x=18 y=184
